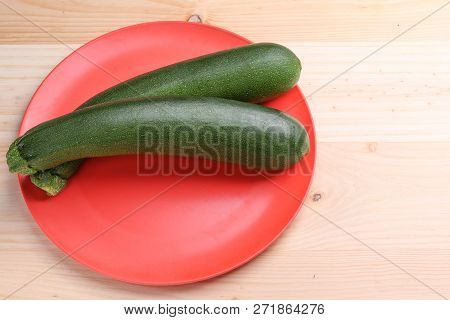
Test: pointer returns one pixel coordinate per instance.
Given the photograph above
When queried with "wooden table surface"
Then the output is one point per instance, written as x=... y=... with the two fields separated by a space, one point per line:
x=376 y=224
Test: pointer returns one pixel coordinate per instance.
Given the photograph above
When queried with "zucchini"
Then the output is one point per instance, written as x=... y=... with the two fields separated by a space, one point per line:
x=253 y=73
x=252 y=135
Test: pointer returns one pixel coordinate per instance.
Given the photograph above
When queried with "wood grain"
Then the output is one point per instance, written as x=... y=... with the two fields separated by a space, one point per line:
x=383 y=167
x=259 y=20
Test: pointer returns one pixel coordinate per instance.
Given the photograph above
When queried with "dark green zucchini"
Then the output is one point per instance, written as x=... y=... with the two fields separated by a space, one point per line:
x=249 y=134
x=254 y=73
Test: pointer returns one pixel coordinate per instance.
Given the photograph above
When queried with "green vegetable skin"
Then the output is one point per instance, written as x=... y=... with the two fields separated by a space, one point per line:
x=250 y=73
x=253 y=73
x=120 y=127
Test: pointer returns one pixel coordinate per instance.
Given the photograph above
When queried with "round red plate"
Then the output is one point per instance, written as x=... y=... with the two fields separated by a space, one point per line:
x=156 y=229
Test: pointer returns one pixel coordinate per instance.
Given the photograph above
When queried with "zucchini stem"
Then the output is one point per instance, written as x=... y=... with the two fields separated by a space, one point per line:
x=16 y=162
x=49 y=182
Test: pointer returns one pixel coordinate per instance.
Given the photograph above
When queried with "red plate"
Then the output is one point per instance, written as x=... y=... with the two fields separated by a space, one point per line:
x=151 y=229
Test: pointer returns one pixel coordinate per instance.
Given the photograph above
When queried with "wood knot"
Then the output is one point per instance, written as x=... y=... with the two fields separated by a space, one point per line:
x=372 y=146
x=316 y=197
